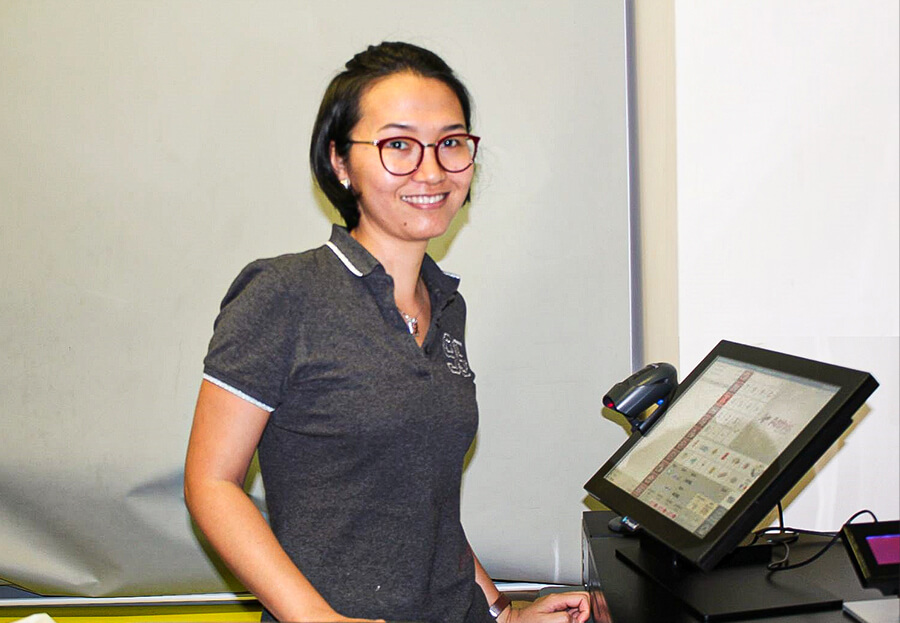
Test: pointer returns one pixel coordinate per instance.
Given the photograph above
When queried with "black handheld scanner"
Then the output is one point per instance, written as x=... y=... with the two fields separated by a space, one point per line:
x=655 y=383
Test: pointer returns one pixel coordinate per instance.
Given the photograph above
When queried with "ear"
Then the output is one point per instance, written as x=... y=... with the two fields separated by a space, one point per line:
x=338 y=164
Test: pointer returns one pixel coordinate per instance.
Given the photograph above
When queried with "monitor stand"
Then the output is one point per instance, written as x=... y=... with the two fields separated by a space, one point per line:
x=740 y=587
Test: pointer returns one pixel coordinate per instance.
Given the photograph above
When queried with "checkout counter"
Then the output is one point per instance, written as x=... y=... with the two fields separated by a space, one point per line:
x=620 y=593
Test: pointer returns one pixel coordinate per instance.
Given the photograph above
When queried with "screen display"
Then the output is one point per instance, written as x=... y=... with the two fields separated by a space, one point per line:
x=885 y=548
x=717 y=439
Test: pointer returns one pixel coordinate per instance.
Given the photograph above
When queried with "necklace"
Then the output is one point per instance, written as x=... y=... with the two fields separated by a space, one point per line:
x=412 y=321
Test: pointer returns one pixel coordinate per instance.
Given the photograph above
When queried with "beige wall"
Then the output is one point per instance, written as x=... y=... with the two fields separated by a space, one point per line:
x=654 y=58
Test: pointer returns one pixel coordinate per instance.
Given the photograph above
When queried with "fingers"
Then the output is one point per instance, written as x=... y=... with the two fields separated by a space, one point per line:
x=573 y=607
x=560 y=601
x=563 y=616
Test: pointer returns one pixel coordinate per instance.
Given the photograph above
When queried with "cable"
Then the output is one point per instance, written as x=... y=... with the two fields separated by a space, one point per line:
x=779 y=534
x=782 y=535
x=782 y=565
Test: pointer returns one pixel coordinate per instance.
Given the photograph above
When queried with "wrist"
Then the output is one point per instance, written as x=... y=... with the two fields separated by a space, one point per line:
x=501 y=609
x=306 y=612
x=509 y=615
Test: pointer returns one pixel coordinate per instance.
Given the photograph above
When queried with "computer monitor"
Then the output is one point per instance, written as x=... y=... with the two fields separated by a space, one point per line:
x=744 y=426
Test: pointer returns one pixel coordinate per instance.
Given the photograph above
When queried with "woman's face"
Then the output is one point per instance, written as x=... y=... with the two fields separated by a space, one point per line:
x=414 y=207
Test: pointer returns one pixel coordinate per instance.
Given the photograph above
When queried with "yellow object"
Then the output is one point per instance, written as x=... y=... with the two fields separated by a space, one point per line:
x=233 y=613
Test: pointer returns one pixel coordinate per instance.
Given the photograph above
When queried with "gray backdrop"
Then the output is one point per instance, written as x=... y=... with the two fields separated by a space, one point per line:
x=148 y=150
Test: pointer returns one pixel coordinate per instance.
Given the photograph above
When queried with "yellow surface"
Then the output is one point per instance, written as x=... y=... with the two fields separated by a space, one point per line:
x=136 y=614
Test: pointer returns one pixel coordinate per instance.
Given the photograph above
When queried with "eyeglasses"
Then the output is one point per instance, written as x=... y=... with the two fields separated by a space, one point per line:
x=402 y=155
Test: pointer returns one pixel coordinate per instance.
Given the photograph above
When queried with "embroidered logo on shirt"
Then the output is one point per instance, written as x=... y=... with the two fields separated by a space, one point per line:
x=453 y=350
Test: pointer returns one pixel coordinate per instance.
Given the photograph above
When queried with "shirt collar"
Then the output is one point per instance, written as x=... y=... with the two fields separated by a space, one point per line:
x=360 y=262
x=352 y=254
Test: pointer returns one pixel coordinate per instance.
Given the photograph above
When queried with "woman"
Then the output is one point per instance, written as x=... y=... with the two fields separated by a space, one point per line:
x=346 y=366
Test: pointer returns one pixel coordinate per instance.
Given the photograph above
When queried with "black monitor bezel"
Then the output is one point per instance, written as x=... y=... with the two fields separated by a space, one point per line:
x=791 y=465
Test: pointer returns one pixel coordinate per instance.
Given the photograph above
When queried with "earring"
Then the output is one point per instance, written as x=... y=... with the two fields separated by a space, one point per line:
x=345 y=183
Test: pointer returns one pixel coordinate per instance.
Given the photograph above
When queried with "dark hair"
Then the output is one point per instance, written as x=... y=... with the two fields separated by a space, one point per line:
x=339 y=111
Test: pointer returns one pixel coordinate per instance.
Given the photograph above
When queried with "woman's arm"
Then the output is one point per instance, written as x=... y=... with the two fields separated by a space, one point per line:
x=224 y=437
x=490 y=590
x=552 y=608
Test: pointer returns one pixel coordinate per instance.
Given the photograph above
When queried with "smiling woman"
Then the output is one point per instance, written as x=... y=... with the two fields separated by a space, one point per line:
x=346 y=366
x=418 y=205
x=153 y=153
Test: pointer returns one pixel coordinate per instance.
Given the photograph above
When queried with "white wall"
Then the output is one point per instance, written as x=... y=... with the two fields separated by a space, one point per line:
x=786 y=195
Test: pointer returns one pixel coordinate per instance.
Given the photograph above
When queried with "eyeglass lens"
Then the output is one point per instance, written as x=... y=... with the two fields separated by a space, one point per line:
x=402 y=155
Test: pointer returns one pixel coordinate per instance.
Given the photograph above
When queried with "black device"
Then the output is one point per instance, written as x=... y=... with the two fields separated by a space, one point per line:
x=654 y=384
x=742 y=429
x=620 y=592
x=874 y=550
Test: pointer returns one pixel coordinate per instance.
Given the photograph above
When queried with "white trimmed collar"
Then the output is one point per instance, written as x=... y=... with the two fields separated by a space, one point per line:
x=343 y=258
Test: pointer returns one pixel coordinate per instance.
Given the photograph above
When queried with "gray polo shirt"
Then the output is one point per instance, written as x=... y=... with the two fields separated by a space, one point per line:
x=363 y=451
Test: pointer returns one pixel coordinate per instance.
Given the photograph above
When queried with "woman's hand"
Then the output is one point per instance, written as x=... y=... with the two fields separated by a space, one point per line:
x=553 y=608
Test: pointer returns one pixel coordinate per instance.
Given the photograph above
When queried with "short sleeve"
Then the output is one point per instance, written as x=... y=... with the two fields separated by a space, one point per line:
x=253 y=339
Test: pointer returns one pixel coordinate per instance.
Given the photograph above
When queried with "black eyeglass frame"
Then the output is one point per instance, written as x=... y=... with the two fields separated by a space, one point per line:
x=381 y=142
